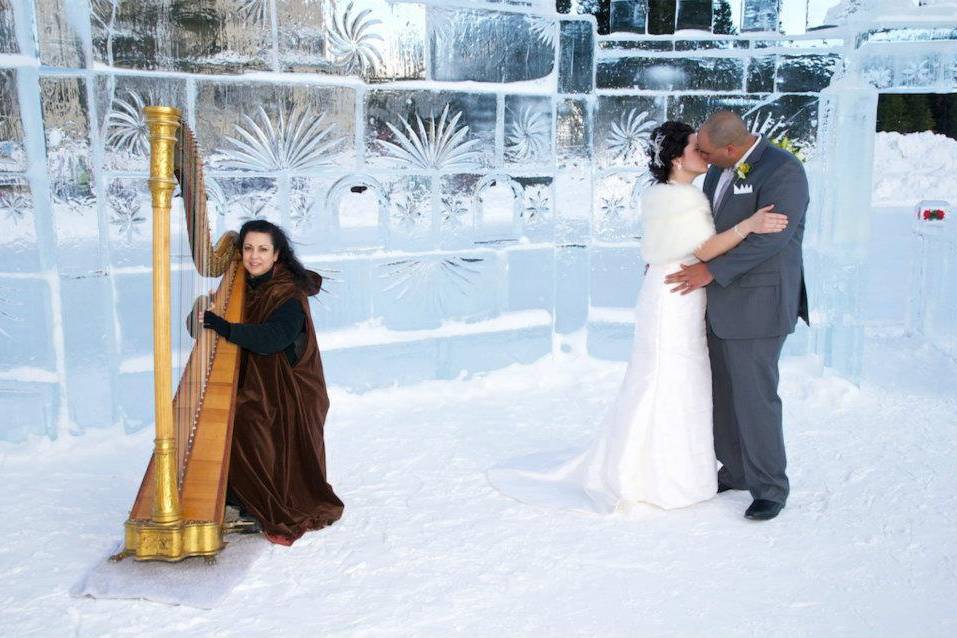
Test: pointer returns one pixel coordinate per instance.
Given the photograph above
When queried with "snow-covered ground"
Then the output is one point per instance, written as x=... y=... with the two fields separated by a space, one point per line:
x=866 y=547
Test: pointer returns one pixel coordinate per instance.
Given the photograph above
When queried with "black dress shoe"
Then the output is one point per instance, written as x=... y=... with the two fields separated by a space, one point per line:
x=763 y=510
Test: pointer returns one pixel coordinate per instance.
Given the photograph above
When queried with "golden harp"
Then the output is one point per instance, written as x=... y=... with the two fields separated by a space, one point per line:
x=179 y=509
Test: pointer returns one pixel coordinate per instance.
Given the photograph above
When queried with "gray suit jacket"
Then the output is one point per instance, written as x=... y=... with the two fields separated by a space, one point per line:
x=758 y=289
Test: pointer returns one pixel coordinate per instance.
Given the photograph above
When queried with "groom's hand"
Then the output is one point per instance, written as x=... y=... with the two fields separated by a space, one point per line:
x=690 y=278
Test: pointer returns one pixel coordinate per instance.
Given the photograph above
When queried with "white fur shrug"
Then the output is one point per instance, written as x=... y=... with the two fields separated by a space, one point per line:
x=676 y=219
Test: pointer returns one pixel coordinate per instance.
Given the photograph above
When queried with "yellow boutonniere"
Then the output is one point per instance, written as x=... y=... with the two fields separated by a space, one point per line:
x=741 y=172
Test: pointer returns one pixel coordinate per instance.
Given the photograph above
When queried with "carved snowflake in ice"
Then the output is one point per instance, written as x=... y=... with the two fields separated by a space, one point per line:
x=538 y=203
x=441 y=145
x=14 y=205
x=543 y=28
x=629 y=136
x=528 y=135
x=879 y=76
x=125 y=212
x=297 y=141
x=612 y=208
x=920 y=73
x=408 y=213
x=126 y=125
x=431 y=279
x=352 y=43
x=454 y=210
x=302 y=205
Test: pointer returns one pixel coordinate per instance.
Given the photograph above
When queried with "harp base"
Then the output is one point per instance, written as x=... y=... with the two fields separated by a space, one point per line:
x=148 y=540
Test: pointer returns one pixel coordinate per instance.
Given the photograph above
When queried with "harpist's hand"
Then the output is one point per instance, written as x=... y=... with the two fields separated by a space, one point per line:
x=215 y=322
x=690 y=278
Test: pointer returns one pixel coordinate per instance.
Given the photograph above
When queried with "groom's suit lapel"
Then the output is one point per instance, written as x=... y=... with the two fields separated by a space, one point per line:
x=753 y=159
x=711 y=182
x=710 y=186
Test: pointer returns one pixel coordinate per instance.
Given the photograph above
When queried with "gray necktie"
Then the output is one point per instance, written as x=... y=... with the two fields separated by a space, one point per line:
x=722 y=188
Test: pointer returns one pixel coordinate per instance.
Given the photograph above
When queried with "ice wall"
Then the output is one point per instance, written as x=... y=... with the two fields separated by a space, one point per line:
x=464 y=174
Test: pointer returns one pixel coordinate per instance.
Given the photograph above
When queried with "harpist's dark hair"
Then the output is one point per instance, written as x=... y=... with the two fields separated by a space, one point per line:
x=668 y=141
x=282 y=245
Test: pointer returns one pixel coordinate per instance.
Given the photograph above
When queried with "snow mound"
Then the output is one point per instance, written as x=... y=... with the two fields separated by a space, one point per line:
x=889 y=10
x=912 y=167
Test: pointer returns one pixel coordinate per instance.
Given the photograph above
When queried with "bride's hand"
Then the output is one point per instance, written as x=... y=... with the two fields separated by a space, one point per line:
x=764 y=221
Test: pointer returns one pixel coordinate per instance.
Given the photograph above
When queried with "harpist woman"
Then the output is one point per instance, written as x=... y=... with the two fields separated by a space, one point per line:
x=277 y=469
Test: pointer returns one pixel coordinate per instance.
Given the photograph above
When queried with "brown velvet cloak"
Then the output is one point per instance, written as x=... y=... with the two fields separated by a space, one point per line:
x=277 y=467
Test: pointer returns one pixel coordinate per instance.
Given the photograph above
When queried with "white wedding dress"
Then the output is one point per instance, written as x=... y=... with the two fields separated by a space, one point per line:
x=655 y=444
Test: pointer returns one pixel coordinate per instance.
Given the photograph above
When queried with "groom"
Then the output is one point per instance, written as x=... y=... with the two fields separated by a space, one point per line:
x=755 y=295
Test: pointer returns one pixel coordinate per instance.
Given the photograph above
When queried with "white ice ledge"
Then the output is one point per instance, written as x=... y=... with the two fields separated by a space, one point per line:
x=373 y=333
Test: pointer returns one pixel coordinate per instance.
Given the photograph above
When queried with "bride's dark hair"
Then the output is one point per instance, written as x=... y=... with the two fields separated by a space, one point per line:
x=668 y=141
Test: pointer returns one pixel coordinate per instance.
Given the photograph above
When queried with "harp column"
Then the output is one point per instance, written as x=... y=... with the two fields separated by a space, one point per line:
x=163 y=123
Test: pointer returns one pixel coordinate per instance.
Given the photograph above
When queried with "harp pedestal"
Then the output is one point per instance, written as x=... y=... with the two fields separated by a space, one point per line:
x=172 y=542
x=165 y=536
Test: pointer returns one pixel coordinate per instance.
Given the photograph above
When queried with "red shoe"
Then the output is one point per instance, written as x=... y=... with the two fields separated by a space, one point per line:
x=278 y=539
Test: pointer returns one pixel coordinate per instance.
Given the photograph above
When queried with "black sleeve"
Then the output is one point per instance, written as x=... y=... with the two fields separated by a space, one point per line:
x=273 y=335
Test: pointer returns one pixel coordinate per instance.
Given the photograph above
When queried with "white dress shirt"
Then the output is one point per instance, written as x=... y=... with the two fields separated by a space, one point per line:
x=728 y=173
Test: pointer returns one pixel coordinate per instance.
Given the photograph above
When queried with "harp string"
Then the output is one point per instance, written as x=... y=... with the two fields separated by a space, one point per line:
x=197 y=268
x=185 y=391
x=189 y=339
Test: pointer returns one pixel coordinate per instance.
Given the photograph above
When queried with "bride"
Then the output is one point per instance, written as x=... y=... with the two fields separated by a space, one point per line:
x=655 y=444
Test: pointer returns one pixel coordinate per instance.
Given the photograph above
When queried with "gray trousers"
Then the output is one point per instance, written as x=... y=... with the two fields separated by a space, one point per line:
x=748 y=437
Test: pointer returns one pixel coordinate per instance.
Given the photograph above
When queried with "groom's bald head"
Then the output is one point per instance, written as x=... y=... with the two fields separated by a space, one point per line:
x=724 y=138
x=725 y=128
